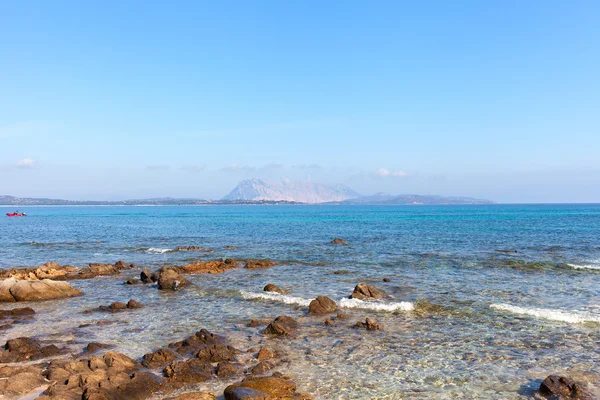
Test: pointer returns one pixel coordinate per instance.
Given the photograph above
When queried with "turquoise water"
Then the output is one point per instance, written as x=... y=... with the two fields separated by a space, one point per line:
x=518 y=288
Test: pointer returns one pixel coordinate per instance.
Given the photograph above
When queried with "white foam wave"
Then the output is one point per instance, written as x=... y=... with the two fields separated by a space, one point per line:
x=374 y=305
x=282 y=298
x=343 y=303
x=553 y=315
x=158 y=250
x=588 y=266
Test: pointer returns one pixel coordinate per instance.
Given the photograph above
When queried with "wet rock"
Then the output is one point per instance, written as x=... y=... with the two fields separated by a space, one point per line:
x=193 y=344
x=146 y=276
x=194 y=396
x=169 y=279
x=194 y=248
x=362 y=291
x=132 y=281
x=272 y=288
x=93 y=347
x=49 y=270
x=259 y=264
x=226 y=369
x=93 y=270
x=263 y=388
x=265 y=354
x=158 y=359
x=134 y=304
x=342 y=316
x=386 y=280
x=189 y=371
x=322 y=305
x=16 y=381
x=338 y=241
x=216 y=353
x=208 y=267
x=561 y=387
x=12 y=290
x=230 y=247
x=281 y=326
x=26 y=349
x=341 y=272
x=17 y=312
x=262 y=367
x=369 y=325
x=255 y=322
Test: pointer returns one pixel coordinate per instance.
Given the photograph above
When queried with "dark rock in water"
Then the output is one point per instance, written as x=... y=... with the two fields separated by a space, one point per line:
x=338 y=241
x=369 y=325
x=132 y=281
x=189 y=371
x=322 y=305
x=272 y=288
x=134 y=304
x=230 y=247
x=263 y=388
x=194 y=343
x=146 y=276
x=342 y=272
x=262 y=367
x=95 y=346
x=255 y=322
x=561 y=387
x=26 y=349
x=18 y=312
x=386 y=280
x=216 y=353
x=259 y=264
x=281 y=326
x=194 y=248
x=362 y=291
x=264 y=354
x=226 y=369
x=158 y=358
x=169 y=279
x=208 y=267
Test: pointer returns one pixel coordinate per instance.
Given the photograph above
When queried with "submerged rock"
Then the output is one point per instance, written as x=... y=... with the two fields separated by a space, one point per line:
x=322 y=305
x=194 y=248
x=338 y=241
x=281 y=326
x=272 y=288
x=12 y=290
x=562 y=387
x=369 y=325
x=120 y=306
x=259 y=264
x=362 y=291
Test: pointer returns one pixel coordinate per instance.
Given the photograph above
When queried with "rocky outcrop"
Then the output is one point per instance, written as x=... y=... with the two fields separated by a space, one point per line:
x=169 y=279
x=16 y=381
x=26 y=349
x=264 y=388
x=259 y=264
x=281 y=326
x=193 y=344
x=369 y=325
x=158 y=359
x=322 y=305
x=54 y=271
x=338 y=241
x=119 y=306
x=272 y=288
x=12 y=290
x=208 y=267
x=561 y=387
x=362 y=291
x=93 y=270
x=194 y=248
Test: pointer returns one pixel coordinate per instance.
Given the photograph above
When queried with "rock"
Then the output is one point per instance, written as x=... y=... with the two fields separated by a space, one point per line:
x=267 y=387
x=272 y=288
x=49 y=270
x=12 y=290
x=93 y=270
x=338 y=241
x=322 y=305
x=194 y=248
x=264 y=354
x=259 y=264
x=262 y=367
x=193 y=344
x=16 y=312
x=341 y=272
x=386 y=280
x=146 y=276
x=134 y=304
x=362 y=291
x=132 y=281
x=93 y=347
x=329 y=321
x=158 y=359
x=16 y=381
x=230 y=247
x=189 y=371
x=341 y=316
x=564 y=388
x=216 y=353
x=226 y=369
x=194 y=396
x=256 y=322
x=26 y=349
x=169 y=279
x=369 y=325
x=208 y=267
x=281 y=326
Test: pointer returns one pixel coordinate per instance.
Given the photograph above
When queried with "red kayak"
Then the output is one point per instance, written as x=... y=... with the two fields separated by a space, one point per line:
x=16 y=214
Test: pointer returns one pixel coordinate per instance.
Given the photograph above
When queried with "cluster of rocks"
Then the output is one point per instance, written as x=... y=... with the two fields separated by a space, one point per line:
x=26 y=349
x=119 y=306
x=194 y=248
x=9 y=317
x=12 y=290
x=54 y=271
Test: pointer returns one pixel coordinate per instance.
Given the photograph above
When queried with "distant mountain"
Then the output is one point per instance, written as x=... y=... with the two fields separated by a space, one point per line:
x=296 y=191
x=162 y=201
x=384 y=198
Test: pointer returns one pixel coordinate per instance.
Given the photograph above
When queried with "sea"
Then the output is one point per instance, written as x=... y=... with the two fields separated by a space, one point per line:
x=484 y=300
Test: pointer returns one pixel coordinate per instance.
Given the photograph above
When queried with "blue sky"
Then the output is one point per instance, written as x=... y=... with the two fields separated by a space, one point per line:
x=112 y=100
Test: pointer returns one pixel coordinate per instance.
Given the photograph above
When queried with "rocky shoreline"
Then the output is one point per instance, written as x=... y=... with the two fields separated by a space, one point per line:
x=38 y=366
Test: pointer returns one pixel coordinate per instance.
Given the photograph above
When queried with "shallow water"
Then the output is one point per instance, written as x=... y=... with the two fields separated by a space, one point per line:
x=518 y=286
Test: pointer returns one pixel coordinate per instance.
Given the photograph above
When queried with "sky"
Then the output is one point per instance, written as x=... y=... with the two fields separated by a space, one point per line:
x=134 y=99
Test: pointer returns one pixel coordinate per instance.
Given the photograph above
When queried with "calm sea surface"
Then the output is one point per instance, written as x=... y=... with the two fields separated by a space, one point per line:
x=486 y=300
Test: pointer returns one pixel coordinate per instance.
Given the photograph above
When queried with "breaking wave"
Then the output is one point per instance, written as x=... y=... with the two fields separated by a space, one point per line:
x=595 y=267
x=343 y=303
x=157 y=250
x=553 y=315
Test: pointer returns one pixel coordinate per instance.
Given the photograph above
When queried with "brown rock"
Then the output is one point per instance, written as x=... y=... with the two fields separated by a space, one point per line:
x=33 y=290
x=192 y=344
x=262 y=367
x=564 y=388
x=146 y=276
x=226 y=369
x=259 y=264
x=281 y=326
x=338 y=241
x=26 y=349
x=194 y=396
x=95 y=346
x=169 y=279
x=256 y=322
x=341 y=316
x=362 y=291
x=189 y=371
x=17 y=381
x=322 y=305
x=245 y=393
x=369 y=325
x=386 y=280
x=132 y=281
x=267 y=387
x=272 y=288
x=134 y=304
x=194 y=248
x=264 y=354
x=216 y=353
x=208 y=267
x=158 y=358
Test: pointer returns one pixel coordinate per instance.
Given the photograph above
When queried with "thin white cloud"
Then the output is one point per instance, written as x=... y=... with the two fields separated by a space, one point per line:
x=194 y=167
x=25 y=163
x=384 y=172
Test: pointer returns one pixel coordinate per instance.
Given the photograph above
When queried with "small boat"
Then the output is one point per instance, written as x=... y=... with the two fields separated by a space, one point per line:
x=16 y=214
